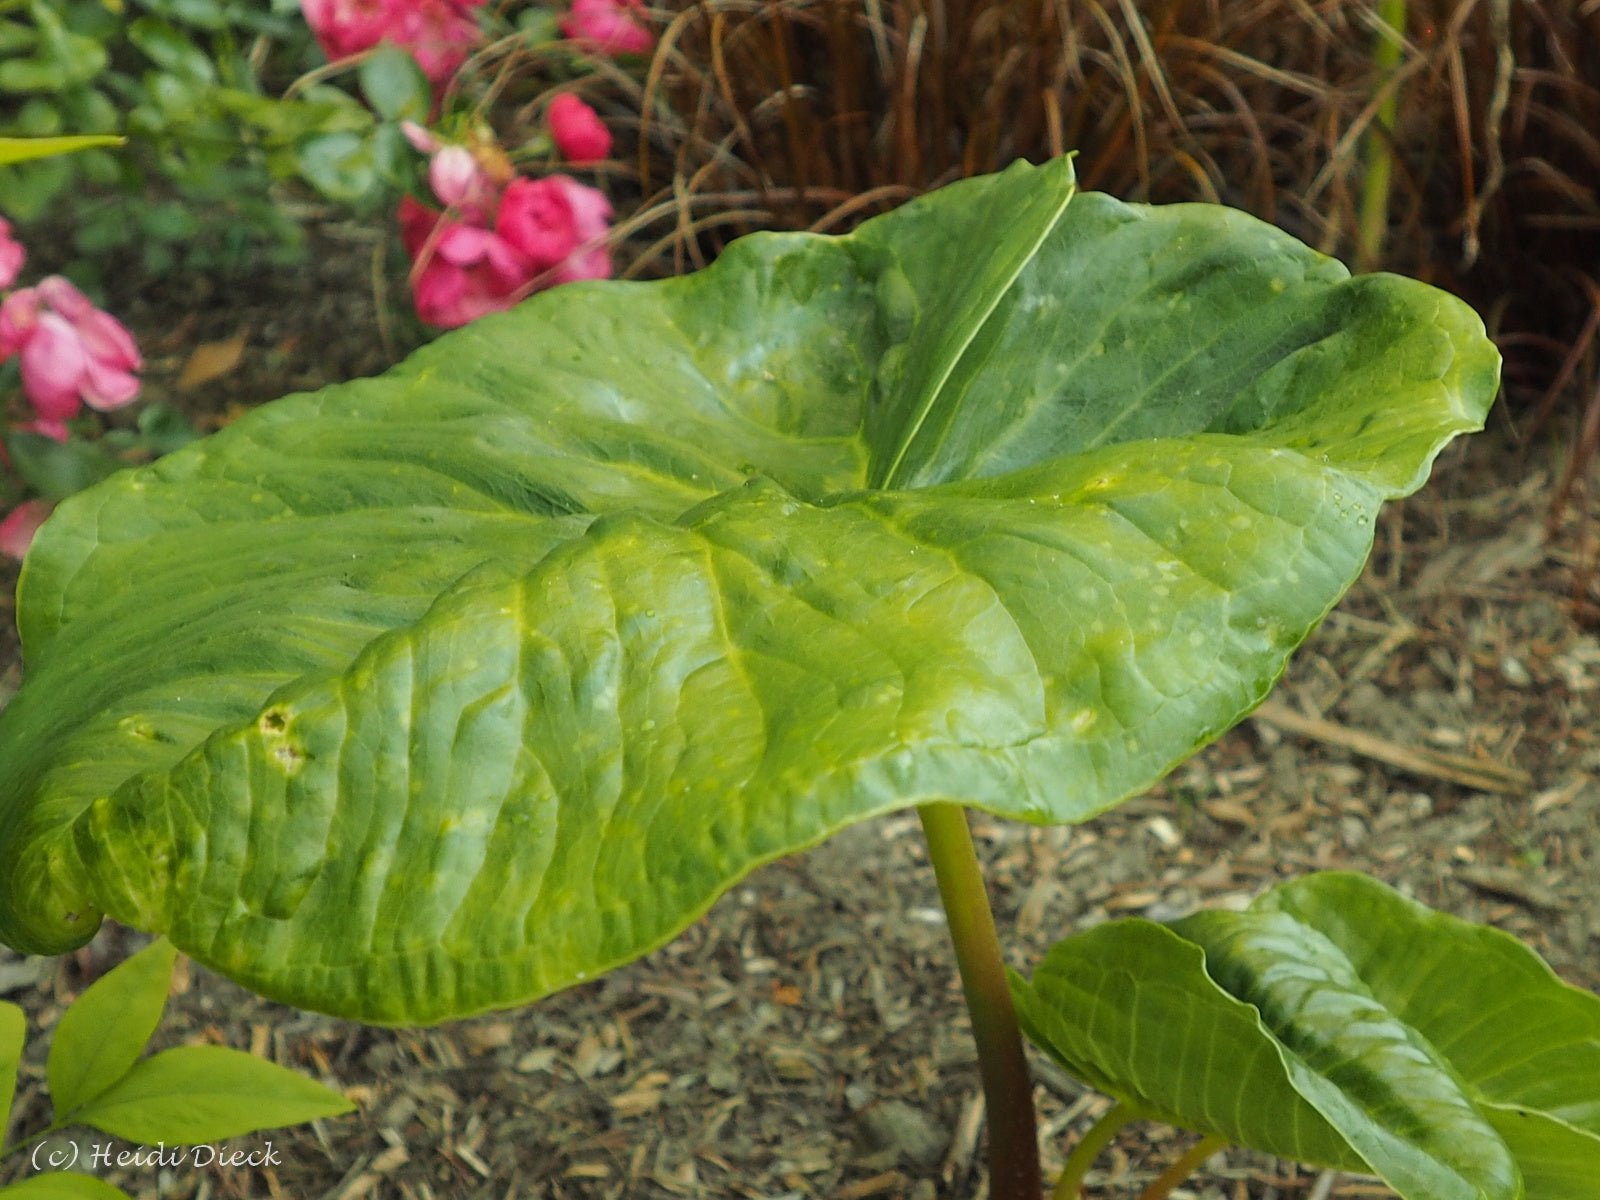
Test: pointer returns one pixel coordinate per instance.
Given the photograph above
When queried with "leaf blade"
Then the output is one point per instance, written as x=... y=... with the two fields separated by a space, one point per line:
x=716 y=436
x=13 y=1036
x=1348 y=985
x=101 y=1035
x=62 y=1185
x=192 y=1095
x=15 y=150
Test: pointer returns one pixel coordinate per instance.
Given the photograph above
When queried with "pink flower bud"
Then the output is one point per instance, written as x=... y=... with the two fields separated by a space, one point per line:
x=461 y=183
x=579 y=133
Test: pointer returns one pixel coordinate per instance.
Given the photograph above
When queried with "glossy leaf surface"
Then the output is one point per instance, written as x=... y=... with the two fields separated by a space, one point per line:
x=1336 y=1022
x=449 y=689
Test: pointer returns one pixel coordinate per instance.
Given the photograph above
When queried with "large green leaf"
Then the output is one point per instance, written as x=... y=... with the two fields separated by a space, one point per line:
x=1337 y=1022
x=449 y=689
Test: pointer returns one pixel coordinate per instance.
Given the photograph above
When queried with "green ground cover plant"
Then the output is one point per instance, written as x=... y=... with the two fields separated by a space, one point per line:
x=185 y=1096
x=440 y=692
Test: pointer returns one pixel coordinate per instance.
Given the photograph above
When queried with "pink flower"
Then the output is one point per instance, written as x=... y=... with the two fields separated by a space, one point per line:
x=72 y=352
x=12 y=255
x=559 y=224
x=459 y=271
x=461 y=183
x=608 y=26
x=579 y=133
x=346 y=27
x=439 y=34
x=19 y=526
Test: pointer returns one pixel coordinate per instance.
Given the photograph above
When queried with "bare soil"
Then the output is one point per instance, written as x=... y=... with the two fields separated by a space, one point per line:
x=807 y=1038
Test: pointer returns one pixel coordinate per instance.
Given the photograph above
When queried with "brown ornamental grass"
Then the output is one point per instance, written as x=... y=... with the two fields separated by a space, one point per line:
x=1484 y=114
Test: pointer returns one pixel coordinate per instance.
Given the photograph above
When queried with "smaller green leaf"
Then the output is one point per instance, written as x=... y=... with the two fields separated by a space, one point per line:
x=78 y=58
x=13 y=1034
x=194 y=1094
x=169 y=222
x=396 y=162
x=339 y=165
x=203 y=14
x=14 y=150
x=100 y=167
x=89 y=109
x=16 y=37
x=62 y=1185
x=394 y=85
x=1337 y=1022
x=539 y=25
x=171 y=50
x=38 y=117
x=30 y=188
x=32 y=75
x=164 y=429
x=57 y=470
x=177 y=98
x=101 y=1036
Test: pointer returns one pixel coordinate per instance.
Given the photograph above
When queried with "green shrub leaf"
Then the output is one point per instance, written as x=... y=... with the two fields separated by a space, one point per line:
x=445 y=690
x=13 y=1036
x=339 y=165
x=57 y=470
x=394 y=85
x=172 y=50
x=103 y=1033
x=195 y=1094
x=1336 y=1022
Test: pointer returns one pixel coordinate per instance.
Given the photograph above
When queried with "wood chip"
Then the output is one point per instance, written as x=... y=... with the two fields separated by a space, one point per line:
x=644 y=1096
x=1483 y=775
x=494 y=1035
x=1557 y=796
x=1229 y=812
x=964 y=1145
x=472 y=1160
x=1509 y=884
x=1130 y=901
x=391 y=1158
